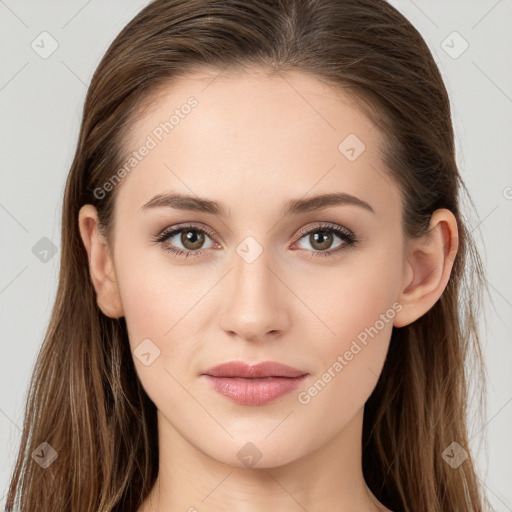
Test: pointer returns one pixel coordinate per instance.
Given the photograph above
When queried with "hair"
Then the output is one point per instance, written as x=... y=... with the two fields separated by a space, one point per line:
x=85 y=398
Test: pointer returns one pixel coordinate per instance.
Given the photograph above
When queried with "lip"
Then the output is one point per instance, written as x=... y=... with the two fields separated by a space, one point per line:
x=256 y=371
x=258 y=384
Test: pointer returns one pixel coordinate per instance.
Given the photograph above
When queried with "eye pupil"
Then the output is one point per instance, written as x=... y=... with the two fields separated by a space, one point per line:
x=192 y=239
x=325 y=236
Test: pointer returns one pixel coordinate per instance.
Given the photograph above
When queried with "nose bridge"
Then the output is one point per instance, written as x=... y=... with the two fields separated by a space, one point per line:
x=253 y=306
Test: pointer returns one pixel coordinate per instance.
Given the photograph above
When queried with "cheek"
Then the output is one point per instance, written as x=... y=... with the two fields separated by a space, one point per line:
x=157 y=295
x=158 y=301
x=352 y=296
x=169 y=305
x=358 y=305
x=350 y=364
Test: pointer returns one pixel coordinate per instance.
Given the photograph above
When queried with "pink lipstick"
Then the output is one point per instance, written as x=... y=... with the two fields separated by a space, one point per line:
x=254 y=385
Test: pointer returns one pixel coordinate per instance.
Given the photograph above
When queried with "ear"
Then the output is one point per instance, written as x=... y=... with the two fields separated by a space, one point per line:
x=101 y=266
x=427 y=267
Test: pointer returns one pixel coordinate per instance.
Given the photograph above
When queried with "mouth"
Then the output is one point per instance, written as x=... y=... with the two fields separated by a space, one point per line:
x=254 y=385
x=265 y=369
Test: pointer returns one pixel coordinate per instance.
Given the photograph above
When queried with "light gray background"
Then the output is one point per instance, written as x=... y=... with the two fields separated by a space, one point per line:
x=40 y=109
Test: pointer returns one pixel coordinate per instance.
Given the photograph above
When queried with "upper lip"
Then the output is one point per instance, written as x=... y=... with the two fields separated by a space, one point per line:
x=260 y=370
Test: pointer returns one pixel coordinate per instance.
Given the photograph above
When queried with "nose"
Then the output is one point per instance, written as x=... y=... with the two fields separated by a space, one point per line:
x=255 y=306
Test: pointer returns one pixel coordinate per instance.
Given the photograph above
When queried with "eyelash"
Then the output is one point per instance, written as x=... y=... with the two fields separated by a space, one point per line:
x=349 y=239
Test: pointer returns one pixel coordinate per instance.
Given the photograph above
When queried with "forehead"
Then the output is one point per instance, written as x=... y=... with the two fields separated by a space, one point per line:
x=253 y=134
x=226 y=98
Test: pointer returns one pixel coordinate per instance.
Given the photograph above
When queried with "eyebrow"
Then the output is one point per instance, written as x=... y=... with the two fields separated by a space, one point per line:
x=295 y=206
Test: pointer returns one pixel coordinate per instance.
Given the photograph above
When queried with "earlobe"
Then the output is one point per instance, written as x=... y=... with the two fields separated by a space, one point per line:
x=101 y=267
x=427 y=268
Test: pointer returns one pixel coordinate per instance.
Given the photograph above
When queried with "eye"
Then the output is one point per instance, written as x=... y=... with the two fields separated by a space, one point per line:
x=322 y=236
x=190 y=237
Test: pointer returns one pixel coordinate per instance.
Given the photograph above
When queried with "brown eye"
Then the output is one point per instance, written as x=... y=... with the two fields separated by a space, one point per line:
x=192 y=239
x=321 y=240
x=185 y=240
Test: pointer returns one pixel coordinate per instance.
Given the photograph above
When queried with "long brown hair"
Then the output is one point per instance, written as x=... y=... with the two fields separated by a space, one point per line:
x=85 y=399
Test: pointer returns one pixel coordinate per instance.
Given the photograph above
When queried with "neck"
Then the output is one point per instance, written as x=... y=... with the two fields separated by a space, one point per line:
x=328 y=477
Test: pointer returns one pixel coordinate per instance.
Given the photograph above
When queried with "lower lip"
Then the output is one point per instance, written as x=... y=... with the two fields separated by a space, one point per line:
x=254 y=391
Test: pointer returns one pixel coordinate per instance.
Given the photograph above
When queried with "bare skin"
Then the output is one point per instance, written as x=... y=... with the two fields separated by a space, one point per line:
x=253 y=143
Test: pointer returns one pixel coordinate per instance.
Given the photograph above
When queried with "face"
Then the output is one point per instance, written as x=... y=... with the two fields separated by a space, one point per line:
x=267 y=273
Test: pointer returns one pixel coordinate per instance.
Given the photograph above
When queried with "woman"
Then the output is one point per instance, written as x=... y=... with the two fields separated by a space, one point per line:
x=263 y=256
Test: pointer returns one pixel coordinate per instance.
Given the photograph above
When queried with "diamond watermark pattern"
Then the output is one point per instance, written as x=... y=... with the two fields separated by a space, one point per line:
x=249 y=455
x=454 y=455
x=44 y=250
x=44 y=455
x=454 y=45
x=44 y=45
x=351 y=147
x=249 y=249
x=146 y=352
